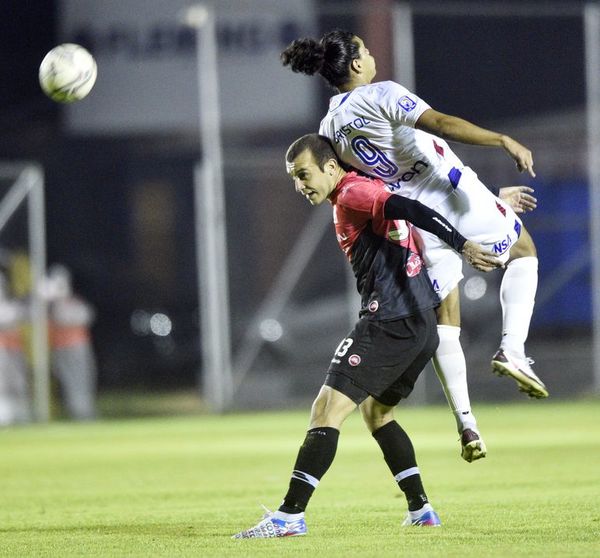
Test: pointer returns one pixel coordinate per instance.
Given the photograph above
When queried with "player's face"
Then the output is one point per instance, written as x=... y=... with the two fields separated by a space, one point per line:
x=367 y=60
x=309 y=180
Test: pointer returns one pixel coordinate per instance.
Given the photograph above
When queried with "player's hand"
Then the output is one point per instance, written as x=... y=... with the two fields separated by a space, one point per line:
x=519 y=198
x=522 y=157
x=480 y=259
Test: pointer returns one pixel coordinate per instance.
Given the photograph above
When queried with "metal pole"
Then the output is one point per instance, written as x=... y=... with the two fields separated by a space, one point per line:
x=403 y=45
x=39 y=307
x=592 y=69
x=210 y=220
x=15 y=196
x=404 y=73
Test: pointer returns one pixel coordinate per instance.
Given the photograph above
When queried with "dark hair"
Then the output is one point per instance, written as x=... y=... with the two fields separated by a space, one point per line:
x=319 y=146
x=331 y=56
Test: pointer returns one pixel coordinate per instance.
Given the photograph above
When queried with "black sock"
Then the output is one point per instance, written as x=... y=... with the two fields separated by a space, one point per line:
x=314 y=458
x=399 y=454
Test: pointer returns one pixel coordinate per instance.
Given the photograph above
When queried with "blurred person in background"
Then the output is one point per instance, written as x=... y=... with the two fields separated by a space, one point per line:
x=388 y=132
x=72 y=360
x=377 y=364
x=14 y=370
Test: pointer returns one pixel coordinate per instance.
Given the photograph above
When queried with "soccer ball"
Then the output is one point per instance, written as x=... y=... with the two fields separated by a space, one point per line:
x=67 y=73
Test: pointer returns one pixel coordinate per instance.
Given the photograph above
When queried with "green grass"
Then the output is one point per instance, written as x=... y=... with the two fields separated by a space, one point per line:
x=182 y=486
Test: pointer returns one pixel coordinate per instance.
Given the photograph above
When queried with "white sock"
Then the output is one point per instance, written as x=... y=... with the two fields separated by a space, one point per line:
x=517 y=296
x=288 y=516
x=451 y=369
x=417 y=513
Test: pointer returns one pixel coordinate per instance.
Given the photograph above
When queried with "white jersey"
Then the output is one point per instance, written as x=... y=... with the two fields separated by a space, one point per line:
x=372 y=128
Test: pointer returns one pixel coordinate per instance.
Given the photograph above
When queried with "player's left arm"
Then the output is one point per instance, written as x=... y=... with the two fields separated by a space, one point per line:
x=458 y=129
x=399 y=207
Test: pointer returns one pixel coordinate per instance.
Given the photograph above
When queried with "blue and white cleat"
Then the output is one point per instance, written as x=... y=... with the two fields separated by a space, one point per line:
x=425 y=517
x=272 y=526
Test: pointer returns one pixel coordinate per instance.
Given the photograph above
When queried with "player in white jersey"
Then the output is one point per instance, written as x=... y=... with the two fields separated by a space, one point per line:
x=389 y=132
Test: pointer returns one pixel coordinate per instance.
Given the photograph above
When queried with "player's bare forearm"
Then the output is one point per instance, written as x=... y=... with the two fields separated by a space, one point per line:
x=458 y=129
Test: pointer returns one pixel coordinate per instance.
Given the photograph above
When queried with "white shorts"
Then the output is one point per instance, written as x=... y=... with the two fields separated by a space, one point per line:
x=479 y=216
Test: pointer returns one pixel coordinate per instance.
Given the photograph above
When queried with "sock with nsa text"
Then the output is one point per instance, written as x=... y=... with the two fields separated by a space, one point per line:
x=399 y=454
x=314 y=459
x=451 y=368
x=517 y=296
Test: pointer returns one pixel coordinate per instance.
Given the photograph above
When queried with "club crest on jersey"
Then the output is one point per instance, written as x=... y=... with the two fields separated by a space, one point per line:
x=414 y=265
x=354 y=360
x=406 y=103
x=373 y=306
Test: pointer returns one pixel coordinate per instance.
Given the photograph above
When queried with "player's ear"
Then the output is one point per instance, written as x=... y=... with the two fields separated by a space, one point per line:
x=356 y=65
x=331 y=166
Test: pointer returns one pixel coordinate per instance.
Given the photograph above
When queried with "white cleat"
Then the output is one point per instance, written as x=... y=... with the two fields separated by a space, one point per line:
x=272 y=527
x=505 y=364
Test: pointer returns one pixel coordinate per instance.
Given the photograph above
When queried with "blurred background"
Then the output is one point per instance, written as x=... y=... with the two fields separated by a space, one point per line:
x=123 y=203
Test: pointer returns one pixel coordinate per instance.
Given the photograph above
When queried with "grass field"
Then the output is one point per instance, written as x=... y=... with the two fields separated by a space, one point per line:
x=182 y=486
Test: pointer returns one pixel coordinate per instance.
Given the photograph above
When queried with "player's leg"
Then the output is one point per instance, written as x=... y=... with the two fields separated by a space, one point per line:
x=399 y=454
x=395 y=444
x=517 y=296
x=315 y=456
x=483 y=218
x=445 y=271
x=450 y=366
x=329 y=410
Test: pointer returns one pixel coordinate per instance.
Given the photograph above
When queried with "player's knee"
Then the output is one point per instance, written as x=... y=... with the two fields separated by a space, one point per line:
x=330 y=408
x=375 y=415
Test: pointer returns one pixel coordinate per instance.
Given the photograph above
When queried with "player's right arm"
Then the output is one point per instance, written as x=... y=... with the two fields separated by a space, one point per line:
x=518 y=197
x=458 y=129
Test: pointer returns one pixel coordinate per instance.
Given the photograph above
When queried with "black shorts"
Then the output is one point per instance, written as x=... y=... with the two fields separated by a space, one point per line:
x=383 y=359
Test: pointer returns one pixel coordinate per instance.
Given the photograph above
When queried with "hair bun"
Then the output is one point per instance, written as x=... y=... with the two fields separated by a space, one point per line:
x=304 y=56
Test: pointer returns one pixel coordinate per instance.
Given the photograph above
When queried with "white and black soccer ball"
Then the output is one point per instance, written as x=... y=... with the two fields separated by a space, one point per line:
x=68 y=73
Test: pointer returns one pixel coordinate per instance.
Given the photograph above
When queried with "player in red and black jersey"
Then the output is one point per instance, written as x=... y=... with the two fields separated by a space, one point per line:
x=377 y=364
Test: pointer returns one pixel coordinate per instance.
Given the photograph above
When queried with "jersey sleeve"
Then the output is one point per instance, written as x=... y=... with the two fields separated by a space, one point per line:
x=366 y=197
x=400 y=105
x=399 y=207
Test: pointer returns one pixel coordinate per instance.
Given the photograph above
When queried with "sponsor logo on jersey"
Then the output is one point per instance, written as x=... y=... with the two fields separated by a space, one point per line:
x=397 y=235
x=414 y=265
x=407 y=176
x=436 y=285
x=406 y=103
x=354 y=360
x=349 y=127
x=373 y=306
x=501 y=209
x=503 y=245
